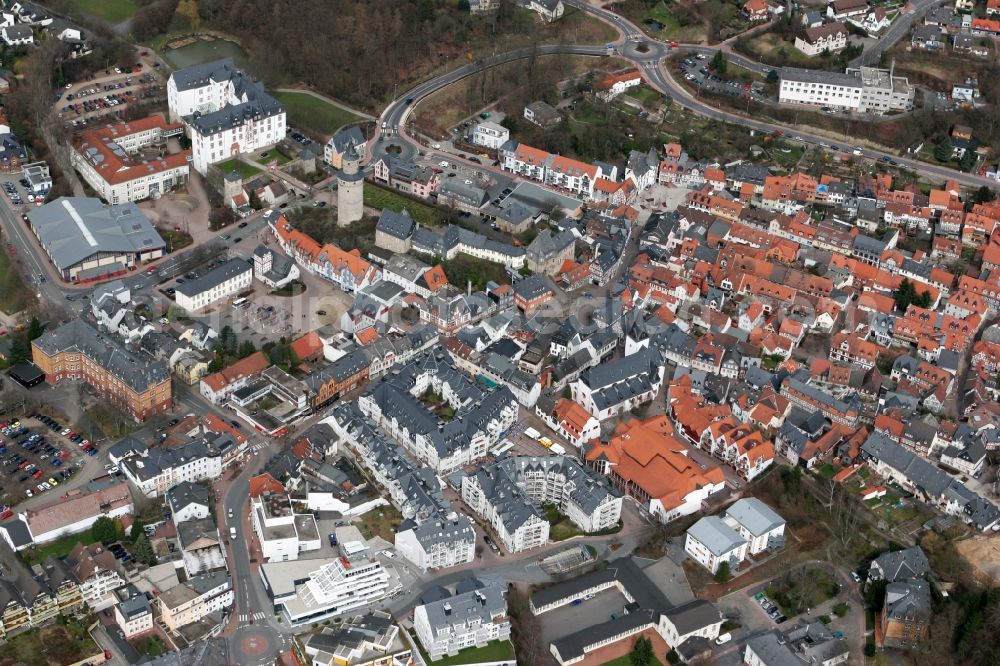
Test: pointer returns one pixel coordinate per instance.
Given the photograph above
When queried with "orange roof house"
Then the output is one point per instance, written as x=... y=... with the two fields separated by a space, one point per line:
x=646 y=461
x=264 y=483
x=435 y=278
x=219 y=385
x=309 y=347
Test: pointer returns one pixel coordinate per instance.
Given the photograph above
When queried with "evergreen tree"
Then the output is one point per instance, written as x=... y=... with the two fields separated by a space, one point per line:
x=143 y=551
x=642 y=652
x=104 y=530
x=34 y=329
x=719 y=63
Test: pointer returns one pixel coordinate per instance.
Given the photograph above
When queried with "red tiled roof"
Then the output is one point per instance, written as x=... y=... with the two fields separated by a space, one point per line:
x=98 y=147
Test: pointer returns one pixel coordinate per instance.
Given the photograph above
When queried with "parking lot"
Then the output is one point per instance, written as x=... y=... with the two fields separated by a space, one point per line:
x=104 y=98
x=37 y=455
x=695 y=71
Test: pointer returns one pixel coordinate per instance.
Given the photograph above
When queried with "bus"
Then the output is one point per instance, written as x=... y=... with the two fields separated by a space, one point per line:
x=240 y=303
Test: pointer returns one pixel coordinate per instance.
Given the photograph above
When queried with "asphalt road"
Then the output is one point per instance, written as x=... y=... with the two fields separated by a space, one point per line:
x=649 y=61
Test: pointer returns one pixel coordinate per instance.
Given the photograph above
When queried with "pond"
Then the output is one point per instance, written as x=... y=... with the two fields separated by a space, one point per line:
x=203 y=51
x=655 y=25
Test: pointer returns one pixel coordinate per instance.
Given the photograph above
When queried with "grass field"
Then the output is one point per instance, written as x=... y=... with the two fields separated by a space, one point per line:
x=378 y=198
x=239 y=166
x=647 y=96
x=492 y=651
x=112 y=11
x=381 y=521
x=671 y=26
x=14 y=294
x=58 y=549
x=54 y=645
x=314 y=114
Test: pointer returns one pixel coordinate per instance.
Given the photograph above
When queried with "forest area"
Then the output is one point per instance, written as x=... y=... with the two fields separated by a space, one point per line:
x=336 y=47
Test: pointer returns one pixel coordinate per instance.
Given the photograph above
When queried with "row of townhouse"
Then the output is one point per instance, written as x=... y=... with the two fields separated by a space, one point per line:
x=434 y=536
x=715 y=429
x=402 y=407
x=551 y=169
x=509 y=494
x=931 y=484
x=346 y=269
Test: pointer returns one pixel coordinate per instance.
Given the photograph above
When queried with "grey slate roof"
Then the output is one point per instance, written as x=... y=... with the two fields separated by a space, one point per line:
x=215 y=277
x=718 y=537
x=399 y=225
x=185 y=494
x=693 y=615
x=479 y=606
x=197 y=76
x=137 y=372
x=72 y=229
x=754 y=515
x=901 y=565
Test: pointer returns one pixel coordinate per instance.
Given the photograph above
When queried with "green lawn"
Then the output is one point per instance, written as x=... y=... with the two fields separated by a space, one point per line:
x=626 y=661
x=239 y=166
x=272 y=154
x=314 y=114
x=492 y=651
x=671 y=26
x=112 y=11
x=828 y=470
x=381 y=521
x=379 y=197
x=58 y=549
x=14 y=294
x=564 y=529
x=647 y=96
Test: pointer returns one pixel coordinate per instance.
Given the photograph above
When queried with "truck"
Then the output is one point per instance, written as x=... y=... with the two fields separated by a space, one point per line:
x=545 y=441
x=558 y=449
x=232 y=533
x=532 y=433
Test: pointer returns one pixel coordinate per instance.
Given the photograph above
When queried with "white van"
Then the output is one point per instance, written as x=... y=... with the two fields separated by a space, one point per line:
x=724 y=638
x=232 y=533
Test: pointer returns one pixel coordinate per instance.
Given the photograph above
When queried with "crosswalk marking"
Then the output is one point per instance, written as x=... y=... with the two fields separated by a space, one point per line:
x=258 y=616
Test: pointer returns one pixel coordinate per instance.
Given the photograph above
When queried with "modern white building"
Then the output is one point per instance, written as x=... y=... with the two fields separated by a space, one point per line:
x=315 y=589
x=480 y=414
x=860 y=90
x=438 y=543
x=711 y=542
x=226 y=112
x=109 y=159
x=471 y=619
x=225 y=280
x=282 y=533
x=134 y=614
x=97 y=570
x=761 y=527
x=490 y=135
